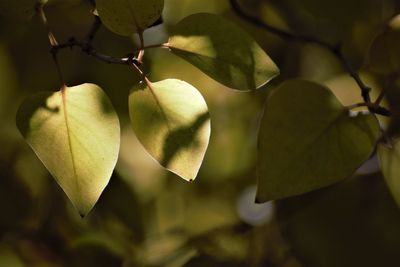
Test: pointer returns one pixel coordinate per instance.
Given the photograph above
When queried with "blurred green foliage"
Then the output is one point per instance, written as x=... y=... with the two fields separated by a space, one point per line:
x=148 y=217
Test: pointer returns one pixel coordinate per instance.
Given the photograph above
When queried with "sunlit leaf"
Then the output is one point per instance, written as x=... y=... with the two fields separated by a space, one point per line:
x=308 y=140
x=223 y=51
x=75 y=133
x=389 y=159
x=171 y=120
x=126 y=17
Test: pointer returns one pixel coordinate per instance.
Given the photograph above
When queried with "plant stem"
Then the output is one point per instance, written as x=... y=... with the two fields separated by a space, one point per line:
x=335 y=49
x=52 y=40
x=141 y=51
x=372 y=107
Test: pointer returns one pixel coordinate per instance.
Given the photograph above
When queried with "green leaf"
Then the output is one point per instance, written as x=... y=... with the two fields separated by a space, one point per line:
x=389 y=159
x=126 y=17
x=171 y=120
x=75 y=132
x=223 y=51
x=308 y=140
x=384 y=52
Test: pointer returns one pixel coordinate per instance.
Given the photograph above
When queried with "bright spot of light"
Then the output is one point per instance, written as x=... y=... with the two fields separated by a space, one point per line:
x=251 y=212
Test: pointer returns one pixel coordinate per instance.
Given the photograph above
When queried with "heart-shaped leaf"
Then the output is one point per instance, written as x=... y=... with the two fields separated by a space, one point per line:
x=389 y=159
x=75 y=132
x=223 y=51
x=126 y=17
x=171 y=120
x=308 y=140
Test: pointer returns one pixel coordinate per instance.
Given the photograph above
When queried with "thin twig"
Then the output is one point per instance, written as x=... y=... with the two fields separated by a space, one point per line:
x=372 y=107
x=141 y=51
x=93 y=30
x=353 y=73
x=52 y=40
x=380 y=97
x=88 y=49
x=276 y=31
x=335 y=49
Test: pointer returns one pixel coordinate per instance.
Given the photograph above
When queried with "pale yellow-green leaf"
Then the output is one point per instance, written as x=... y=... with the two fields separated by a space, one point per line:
x=171 y=120
x=308 y=140
x=75 y=132
x=126 y=17
x=389 y=159
x=223 y=51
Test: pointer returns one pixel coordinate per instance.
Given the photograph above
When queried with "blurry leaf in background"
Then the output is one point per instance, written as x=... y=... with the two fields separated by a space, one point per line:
x=308 y=140
x=15 y=202
x=168 y=250
x=8 y=82
x=347 y=11
x=31 y=172
x=223 y=51
x=384 y=53
x=137 y=168
x=8 y=86
x=210 y=212
x=234 y=133
x=22 y=10
x=126 y=17
x=121 y=206
x=171 y=120
x=331 y=21
x=389 y=159
x=328 y=66
x=75 y=132
x=354 y=223
x=176 y=10
x=9 y=258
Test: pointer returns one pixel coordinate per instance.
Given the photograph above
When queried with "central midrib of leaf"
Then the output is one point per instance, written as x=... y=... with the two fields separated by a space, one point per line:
x=66 y=119
x=158 y=102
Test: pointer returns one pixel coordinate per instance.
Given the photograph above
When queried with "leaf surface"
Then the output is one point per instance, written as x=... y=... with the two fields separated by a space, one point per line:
x=171 y=120
x=76 y=134
x=389 y=159
x=308 y=140
x=223 y=51
x=126 y=17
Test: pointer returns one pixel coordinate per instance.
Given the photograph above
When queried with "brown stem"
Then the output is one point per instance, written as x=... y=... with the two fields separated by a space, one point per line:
x=372 y=107
x=52 y=40
x=335 y=49
x=93 y=30
x=88 y=49
x=141 y=51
